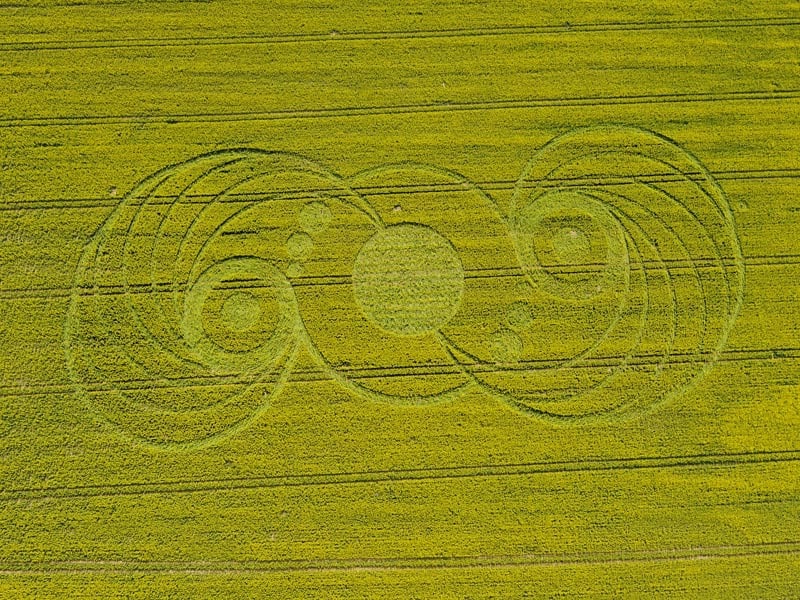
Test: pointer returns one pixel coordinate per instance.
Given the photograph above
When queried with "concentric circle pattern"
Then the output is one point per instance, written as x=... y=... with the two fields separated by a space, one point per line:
x=183 y=323
x=610 y=284
x=623 y=222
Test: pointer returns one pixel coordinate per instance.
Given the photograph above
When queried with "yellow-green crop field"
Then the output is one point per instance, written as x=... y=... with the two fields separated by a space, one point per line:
x=405 y=300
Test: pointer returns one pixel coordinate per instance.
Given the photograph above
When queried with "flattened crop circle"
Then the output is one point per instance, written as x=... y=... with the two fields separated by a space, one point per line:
x=408 y=279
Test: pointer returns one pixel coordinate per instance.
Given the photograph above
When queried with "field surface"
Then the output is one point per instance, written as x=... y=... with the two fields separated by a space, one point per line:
x=412 y=300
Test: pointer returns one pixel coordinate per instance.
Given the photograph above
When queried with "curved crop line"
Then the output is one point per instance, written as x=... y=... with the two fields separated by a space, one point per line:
x=539 y=266
x=641 y=333
x=268 y=368
x=126 y=284
x=723 y=205
x=608 y=413
x=316 y=170
x=101 y=233
x=664 y=267
x=675 y=236
x=705 y=365
x=241 y=155
x=397 y=166
x=593 y=154
x=166 y=217
x=630 y=244
x=680 y=242
x=553 y=146
x=356 y=387
x=567 y=144
x=89 y=255
x=355 y=199
x=226 y=400
x=734 y=296
x=696 y=219
x=513 y=226
x=217 y=436
x=452 y=346
x=343 y=379
x=734 y=301
x=158 y=178
x=623 y=302
x=256 y=203
x=444 y=338
x=195 y=271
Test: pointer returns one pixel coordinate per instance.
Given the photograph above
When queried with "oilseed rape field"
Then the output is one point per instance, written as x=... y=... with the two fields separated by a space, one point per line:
x=417 y=300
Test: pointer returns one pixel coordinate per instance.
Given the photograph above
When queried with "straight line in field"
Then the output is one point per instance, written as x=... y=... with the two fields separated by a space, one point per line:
x=719 y=460
x=385 y=35
x=355 y=565
x=387 y=110
x=45 y=4
x=636 y=362
x=664 y=265
x=599 y=180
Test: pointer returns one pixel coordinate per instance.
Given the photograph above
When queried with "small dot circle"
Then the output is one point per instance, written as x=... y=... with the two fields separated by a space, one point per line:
x=294 y=270
x=519 y=315
x=299 y=245
x=241 y=311
x=315 y=217
x=507 y=346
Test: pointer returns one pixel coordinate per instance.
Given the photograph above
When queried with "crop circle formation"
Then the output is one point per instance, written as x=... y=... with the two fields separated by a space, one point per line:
x=620 y=276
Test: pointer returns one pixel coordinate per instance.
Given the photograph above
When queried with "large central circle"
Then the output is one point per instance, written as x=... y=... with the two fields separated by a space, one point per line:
x=408 y=279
